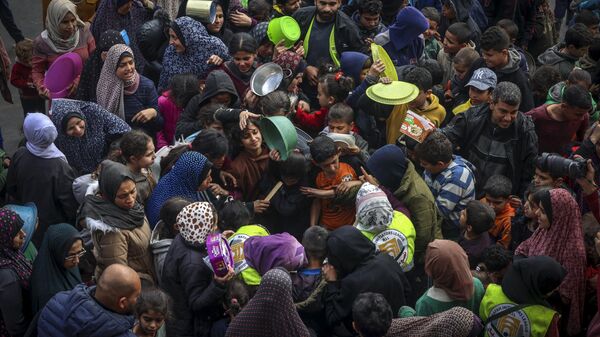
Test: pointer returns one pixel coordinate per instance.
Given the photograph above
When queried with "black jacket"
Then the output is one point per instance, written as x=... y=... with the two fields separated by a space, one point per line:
x=521 y=149
x=347 y=36
x=359 y=270
x=196 y=296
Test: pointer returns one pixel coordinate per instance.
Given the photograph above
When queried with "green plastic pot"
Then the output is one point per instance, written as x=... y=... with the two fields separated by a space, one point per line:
x=284 y=28
x=279 y=134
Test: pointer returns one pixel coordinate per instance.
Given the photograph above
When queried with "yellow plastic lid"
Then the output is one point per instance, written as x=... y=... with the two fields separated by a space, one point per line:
x=395 y=93
x=380 y=54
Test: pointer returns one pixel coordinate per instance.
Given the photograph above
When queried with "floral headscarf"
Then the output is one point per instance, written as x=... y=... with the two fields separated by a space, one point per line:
x=195 y=222
x=10 y=258
x=109 y=92
x=374 y=212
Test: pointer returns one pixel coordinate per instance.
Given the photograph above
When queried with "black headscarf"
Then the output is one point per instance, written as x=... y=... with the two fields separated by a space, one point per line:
x=102 y=208
x=388 y=165
x=530 y=280
x=91 y=71
x=49 y=275
x=347 y=249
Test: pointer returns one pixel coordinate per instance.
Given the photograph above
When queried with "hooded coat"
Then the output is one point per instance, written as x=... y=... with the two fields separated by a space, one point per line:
x=404 y=41
x=462 y=10
x=560 y=61
x=359 y=270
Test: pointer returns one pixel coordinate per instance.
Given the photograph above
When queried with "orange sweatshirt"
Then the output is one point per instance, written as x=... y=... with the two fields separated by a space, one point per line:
x=501 y=229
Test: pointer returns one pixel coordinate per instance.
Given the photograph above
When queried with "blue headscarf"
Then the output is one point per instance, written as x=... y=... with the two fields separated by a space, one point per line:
x=41 y=134
x=352 y=64
x=182 y=181
x=29 y=215
x=404 y=33
x=388 y=165
x=199 y=46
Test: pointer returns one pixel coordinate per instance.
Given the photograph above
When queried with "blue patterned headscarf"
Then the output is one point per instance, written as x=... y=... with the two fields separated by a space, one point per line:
x=182 y=181
x=85 y=153
x=199 y=46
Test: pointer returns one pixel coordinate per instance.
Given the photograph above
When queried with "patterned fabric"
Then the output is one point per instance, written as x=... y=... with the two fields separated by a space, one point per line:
x=196 y=221
x=448 y=265
x=10 y=224
x=271 y=311
x=86 y=91
x=40 y=134
x=170 y=6
x=259 y=32
x=290 y=62
x=456 y=322
x=199 y=46
x=563 y=241
x=110 y=88
x=85 y=153
x=452 y=188
x=57 y=10
x=374 y=211
x=182 y=181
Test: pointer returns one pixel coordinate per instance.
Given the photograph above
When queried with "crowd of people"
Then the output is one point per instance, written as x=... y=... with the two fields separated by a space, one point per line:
x=486 y=224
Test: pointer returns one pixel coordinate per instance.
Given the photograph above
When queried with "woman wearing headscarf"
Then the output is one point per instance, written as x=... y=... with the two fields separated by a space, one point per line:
x=29 y=214
x=271 y=311
x=189 y=178
x=55 y=268
x=86 y=91
x=85 y=132
x=123 y=15
x=219 y=28
x=196 y=291
x=455 y=322
x=129 y=95
x=447 y=264
x=41 y=163
x=190 y=50
x=117 y=222
x=560 y=236
x=15 y=272
x=527 y=283
x=64 y=33
x=403 y=41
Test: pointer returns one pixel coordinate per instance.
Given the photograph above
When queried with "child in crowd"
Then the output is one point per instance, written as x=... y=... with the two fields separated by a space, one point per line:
x=151 y=312
x=481 y=86
x=512 y=30
x=425 y=104
x=564 y=55
x=457 y=92
x=457 y=37
x=306 y=281
x=544 y=177
x=578 y=77
x=332 y=88
x=432 y=37
x=496 y=260
x=475 y=221
x=20 y=77
x=368 y=19
x=525 y=221
x=589 y=62
x=334 y=181
x=544 y=78
x=450 y=178
x=235 y=300
x=371 y=315
x=242 y=49
x=182 y=88
x=497 y=194
x=137 y=150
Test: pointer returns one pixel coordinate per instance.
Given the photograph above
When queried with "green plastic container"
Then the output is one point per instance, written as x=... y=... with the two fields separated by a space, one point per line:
x=279 y=134
x=284 y=28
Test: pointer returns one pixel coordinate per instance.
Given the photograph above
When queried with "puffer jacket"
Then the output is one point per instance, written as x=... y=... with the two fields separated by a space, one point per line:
x=152 y=43
x=160 y=247
x=128 y=247
x=77 y=313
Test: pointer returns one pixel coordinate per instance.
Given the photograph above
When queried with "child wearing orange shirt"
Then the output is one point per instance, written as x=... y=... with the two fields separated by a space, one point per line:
x=497 y=194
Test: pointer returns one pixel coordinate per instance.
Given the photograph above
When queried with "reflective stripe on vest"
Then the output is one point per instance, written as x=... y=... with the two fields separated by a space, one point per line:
x=332 y=49
x=531 y=321
x=236 y=241
x=398 y=240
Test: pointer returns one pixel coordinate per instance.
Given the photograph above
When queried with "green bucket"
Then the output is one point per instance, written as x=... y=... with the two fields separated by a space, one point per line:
x=279 y=134
x=284 y=28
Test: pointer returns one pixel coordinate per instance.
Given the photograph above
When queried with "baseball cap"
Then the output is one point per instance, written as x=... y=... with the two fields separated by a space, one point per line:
x=483 y=79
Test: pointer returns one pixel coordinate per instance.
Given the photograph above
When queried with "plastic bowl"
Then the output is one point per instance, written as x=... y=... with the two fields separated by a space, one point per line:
x=279 y=134
x=61 y=74
x=284 y=28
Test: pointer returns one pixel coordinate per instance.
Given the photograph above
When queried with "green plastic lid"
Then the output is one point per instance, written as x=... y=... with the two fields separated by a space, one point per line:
x=380 y=54
x=395 y=93
x=284 y=28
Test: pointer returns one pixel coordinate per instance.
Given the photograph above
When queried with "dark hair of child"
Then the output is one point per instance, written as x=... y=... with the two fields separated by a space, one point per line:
x=237 y=135
x=498 y=186
x=370 y=7
x=480 y=216
x=167 y=162
x=542 y=198
x=466 y=57
x=134 y=143
x=579 y=75
x=495 y=38
x=314 y=241
x=435 y=148
x=420 y=77
x=322 y=148
x=578 y=36
x=341 y=112
x=435 y=70
x=372 y=315
x=24 y=50
x=576 y=96
x=510 y=27
x=206 y=114
x=233 y=215
x=168 y=215
x=586 y=17
x=183 y=87
x=294 y=167
x=236 y=296
x=114 y=151
x=259 y=9
x=544 y=78
x=462 y=32
x=211 y=144
x=276 y=103
x=242 y=42
x=153 y=299
x=495 y=258
x=336 y=84
x=431 y=13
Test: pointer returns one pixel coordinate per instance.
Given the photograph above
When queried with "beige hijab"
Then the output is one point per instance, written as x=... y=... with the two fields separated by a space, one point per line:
x=57 y=10
x=448 y=265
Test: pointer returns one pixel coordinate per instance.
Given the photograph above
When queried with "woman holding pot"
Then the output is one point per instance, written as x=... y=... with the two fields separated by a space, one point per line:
x=64 y=33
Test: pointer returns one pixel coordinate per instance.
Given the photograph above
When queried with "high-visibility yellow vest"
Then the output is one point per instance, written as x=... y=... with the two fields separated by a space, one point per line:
x=531 y=321
x=332 y=48
x=236 y=242
x=398 y=240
